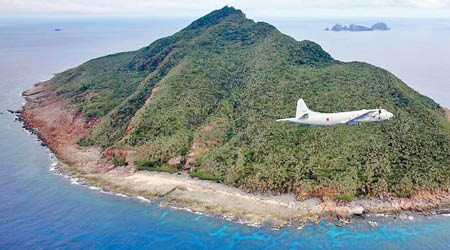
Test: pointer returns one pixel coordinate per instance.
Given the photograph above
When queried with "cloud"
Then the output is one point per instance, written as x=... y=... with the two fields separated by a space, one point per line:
x=254 y=7
x=432 y=3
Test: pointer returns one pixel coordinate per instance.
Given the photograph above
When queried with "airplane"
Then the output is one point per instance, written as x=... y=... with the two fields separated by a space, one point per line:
x=305 y=116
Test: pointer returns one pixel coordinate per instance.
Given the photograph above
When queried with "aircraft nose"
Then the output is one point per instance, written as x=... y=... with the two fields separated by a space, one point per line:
x=390 y=115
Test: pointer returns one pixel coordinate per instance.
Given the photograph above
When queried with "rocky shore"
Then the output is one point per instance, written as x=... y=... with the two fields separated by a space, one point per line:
x=60 y=129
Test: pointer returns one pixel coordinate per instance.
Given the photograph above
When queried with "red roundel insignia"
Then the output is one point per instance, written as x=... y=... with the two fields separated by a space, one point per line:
x=328 y=119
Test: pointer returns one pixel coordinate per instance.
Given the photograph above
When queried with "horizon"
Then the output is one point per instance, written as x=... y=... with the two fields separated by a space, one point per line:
x=256 y=19
x=416 y=9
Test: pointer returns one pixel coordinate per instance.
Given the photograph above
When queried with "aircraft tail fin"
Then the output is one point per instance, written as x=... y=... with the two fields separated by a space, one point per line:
x=301 y=108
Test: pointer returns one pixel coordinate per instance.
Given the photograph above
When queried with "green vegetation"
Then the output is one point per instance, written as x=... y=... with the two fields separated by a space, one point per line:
x=145 y=164
x=224 y=65
x=345 y=197
x=119 y=161
x=202 y=175
x=85 y=143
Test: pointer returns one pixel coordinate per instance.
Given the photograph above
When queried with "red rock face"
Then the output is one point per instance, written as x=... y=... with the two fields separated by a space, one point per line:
x=48 y=116
x=447 y=114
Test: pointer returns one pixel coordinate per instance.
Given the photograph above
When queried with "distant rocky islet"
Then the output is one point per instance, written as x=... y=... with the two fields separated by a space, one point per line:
x=356 y=28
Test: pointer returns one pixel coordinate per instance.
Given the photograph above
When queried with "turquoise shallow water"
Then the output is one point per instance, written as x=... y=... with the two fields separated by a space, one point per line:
x=41 y=210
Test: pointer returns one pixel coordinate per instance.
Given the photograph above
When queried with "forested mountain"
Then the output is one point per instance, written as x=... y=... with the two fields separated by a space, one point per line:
x=206 y=99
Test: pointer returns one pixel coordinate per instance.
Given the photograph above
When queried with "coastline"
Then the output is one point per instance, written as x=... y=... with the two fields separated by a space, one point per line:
x=59 y=129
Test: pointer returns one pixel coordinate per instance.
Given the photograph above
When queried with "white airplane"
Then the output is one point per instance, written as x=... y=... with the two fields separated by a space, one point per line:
x=305 y=116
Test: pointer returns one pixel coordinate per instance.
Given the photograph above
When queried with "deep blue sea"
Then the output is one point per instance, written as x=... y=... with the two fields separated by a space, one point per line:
x=42 y=210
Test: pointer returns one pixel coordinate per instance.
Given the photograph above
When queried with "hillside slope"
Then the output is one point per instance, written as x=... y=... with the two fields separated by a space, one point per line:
x=205 y=100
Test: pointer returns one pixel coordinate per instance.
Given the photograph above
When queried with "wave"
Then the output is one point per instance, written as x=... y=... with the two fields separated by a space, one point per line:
x=373 y=223
x=190 y=211
x=143 y=199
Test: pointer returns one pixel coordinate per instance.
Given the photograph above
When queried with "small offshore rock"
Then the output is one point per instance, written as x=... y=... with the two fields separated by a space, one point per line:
x=441 y=212
x=373 y=223
x=357 y=210
x=301 y=225
x=14 y=111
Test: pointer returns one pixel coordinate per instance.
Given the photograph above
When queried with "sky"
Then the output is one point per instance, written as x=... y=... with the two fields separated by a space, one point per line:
x=253 y=8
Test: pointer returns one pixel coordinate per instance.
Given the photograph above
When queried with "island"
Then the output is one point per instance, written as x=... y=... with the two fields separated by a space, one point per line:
x=189 y=122
x=356 y=28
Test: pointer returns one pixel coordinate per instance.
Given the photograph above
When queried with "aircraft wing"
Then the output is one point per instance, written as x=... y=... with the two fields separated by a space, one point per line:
x=368 y=112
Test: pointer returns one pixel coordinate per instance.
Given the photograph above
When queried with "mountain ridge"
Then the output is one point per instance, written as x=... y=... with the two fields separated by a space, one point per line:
x=221 y=83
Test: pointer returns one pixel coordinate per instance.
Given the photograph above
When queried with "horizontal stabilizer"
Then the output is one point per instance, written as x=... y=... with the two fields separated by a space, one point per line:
x=286 y=120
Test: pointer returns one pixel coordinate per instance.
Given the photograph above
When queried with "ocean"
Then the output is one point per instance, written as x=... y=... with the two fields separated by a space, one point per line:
x=40 y=209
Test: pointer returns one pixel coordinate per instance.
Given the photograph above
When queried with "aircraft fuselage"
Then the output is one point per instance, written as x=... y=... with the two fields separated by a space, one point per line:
x=350 y=117
x=306 y=116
